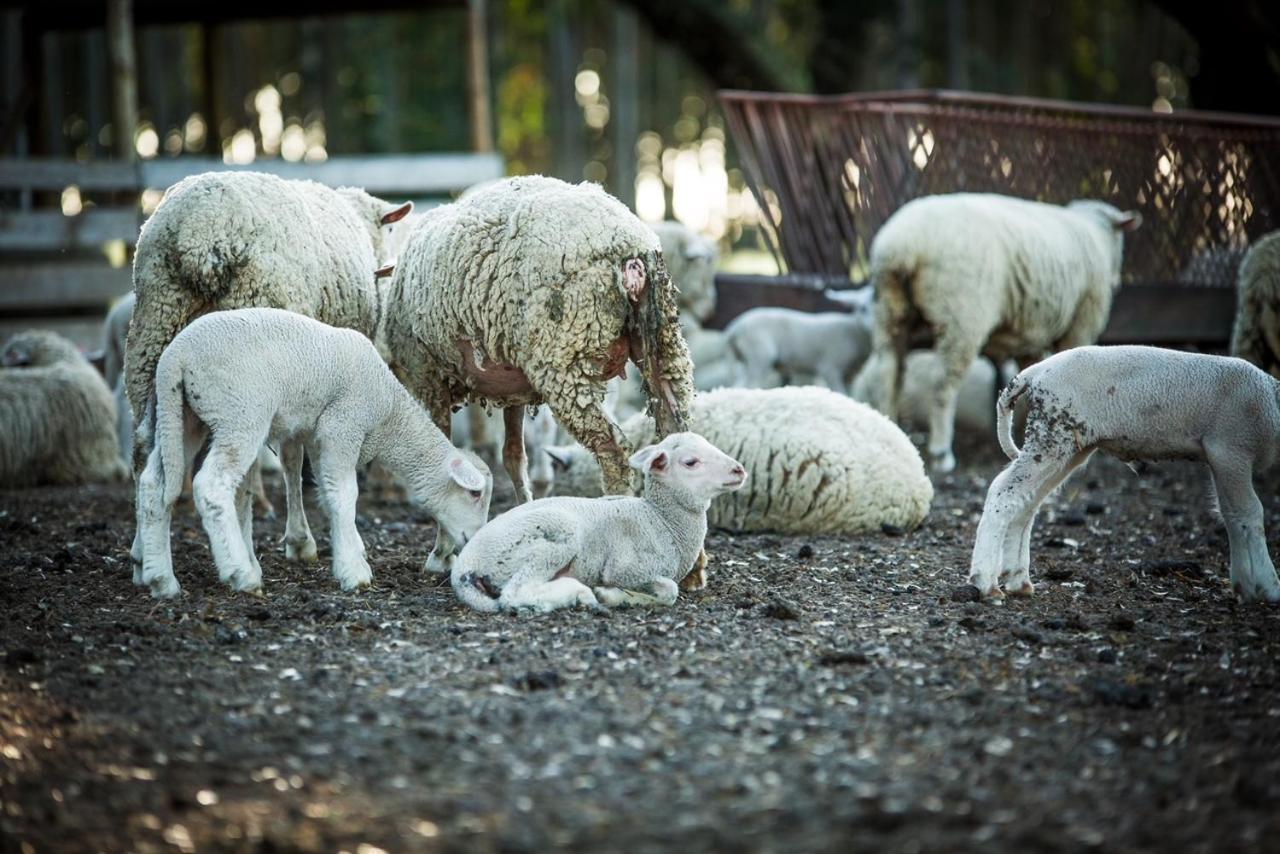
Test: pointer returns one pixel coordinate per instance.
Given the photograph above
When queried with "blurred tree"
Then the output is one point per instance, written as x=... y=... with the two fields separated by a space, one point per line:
x=1239 y=53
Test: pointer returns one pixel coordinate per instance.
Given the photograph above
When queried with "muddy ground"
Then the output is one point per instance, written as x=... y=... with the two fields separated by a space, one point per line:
x=821 y=692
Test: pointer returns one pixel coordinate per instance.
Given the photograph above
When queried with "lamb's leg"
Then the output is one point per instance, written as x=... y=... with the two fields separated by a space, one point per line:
x=259 y=491
x=299 y=544
x=513 y=456
x=215 y=489
x=244 y=510
x=155 y=559
x=339 y=491
x=956 y=353
x=1253 y=576
x=440 y=561
x=658 y=592
x=890 y=341
x=544 y=596
x=1016 y=565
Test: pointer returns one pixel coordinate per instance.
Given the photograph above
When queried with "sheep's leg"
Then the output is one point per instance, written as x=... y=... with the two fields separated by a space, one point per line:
x=155 y=557
x=1016 y=565
x=259 y=491
x=440 y=561
x=696 y=579
x=576 y=401
x=658 y=592
x=956 y=354
x=513 y=456
x=299 y=544
x=244 y=511
x=1253 y=576
x=482 y=442
x=339 y=491
x=215 y=489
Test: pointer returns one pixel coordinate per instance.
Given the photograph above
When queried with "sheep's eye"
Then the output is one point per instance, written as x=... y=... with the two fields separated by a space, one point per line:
x=692 y=462
x=476 y=493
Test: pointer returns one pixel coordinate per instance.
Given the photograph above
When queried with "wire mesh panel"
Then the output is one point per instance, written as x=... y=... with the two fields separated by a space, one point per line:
x=828 y=171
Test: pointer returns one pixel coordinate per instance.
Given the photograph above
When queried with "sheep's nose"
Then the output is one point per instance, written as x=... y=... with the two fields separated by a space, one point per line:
x=738 y=471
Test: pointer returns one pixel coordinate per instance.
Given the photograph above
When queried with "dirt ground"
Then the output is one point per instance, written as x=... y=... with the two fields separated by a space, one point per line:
x=821 y=692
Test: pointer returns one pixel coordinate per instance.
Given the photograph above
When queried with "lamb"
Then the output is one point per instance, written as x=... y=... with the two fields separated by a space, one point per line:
x=532 y=291
x=990 y=275
x=1136 y=403
x=922 y=371
x=58 y=416
x=1256 y=336
x=561 y=552
x=225 y=240
x=248 y=376
x=819 y=463
x=776 y=345
x=691 y=263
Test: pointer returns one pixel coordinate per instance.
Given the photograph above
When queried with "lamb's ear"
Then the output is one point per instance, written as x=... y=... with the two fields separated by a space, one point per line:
x=397 y=213
x=384 y=272
x=559 y=458
x=1127 y=221
x=465 y=474
x=649 y=458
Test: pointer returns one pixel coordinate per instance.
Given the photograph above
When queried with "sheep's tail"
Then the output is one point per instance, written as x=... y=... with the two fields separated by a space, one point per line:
x=166 y=418
x=473 y=589
x=1004 y=412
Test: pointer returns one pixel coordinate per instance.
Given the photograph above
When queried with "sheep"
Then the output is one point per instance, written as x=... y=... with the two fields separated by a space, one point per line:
x=58 y=415
x=1135 y=403
x=691 y=263
x=532 y=291
x=1256 y=335
x=922 y=371
x=224 y=240
x=247 y=376
x=990 y=275
x=819 y=462
x=780 y=344
x=561 y=552
x=540 y=431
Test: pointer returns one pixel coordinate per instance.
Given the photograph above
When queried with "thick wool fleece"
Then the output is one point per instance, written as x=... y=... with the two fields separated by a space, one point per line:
x=1256 y=336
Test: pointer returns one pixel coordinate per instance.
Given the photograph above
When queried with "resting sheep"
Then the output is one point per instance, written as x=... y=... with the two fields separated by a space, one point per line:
x=1256 y=337
x=819 y=462
x=1136 y=403
x=780 y=345
x=57 y=415
x=691 y=264
x=224 y=240
x=245 y=377
x=532 y=291
x=989 y=275
x=560 y=552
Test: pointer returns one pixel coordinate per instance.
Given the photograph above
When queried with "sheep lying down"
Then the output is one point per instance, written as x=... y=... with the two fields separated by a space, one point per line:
x=560 y=552
x=1136 y=403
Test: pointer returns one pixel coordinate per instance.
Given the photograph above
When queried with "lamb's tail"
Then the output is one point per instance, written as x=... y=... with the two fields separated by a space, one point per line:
x=165 y=415
x=473 y=589
x=1004 y=411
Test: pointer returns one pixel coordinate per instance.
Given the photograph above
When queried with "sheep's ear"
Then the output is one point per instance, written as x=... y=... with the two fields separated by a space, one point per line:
x=559 y=458
x=384 y=272
x=465 y=474
x=1127 y=221
x=16 y=357
x=649 y=458
x=396 y=214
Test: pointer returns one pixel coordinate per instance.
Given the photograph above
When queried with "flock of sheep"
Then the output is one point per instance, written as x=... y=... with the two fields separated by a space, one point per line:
x=282 y=318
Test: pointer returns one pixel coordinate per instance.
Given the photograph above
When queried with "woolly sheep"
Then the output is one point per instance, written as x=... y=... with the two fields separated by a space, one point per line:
x=691 y=264
x=533 y=291
x=58 y=416
x=1256 y=336
x=248 y=376
x=1136 y=403
x=224 y=240
x=819 y=462
x=560 y=552
x=778 y=344
x=989 y=275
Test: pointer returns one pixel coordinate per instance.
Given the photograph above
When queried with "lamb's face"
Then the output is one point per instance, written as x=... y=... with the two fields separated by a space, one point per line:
x=690 y=463
x=36 y=349
x=385 y=221
x=464 y=508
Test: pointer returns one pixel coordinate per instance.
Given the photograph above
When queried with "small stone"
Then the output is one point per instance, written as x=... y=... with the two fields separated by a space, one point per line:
x=1028 y=634
x=1107 y=655
x=540 y=680
x=804 y=552
x=836 y=657
x=259 y=614
x=966 y=593
x=1059 y=573
x=21 y=655
x=1072 y=520
x=227 y=637
x=1095 y=508
x=892 y=530
x=1122 y=623
x=1111 y=693
x=780 y=609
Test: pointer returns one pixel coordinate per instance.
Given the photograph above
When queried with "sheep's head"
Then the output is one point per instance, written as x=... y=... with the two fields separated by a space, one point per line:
x=38 y=348
x=1117 y=223
x=689 y=464
x=388 y=224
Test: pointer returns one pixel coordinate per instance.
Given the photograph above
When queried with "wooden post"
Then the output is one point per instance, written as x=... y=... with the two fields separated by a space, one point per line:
x=124 y=77
x=478 y=76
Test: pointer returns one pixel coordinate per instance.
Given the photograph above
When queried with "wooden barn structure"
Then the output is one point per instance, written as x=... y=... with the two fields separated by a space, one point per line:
x=828 y=171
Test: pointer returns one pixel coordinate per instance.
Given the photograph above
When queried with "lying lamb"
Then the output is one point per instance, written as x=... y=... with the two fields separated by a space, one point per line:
x=1256 y=336
x=254 y=375
x=1135 y=403
x=989 y=275
x=778 y=345
x=57 y=415
x=560 y=552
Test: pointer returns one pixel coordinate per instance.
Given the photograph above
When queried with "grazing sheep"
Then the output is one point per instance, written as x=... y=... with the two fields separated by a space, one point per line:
x=1256 y=336
x=975 y=400
x=1136 y=403
x=691 y=264
x=778 y=345
x=989 y=275
x=57 y=415
x=223 y=240
x=819 y=462
x=533 y=291
x=560 y=552
x=245 y=377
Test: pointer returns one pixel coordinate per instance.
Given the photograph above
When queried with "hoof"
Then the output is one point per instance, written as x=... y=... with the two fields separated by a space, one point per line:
x=164 y=588
x=1023 y=589
x=306 y=554
x=695 y=580
x=940 y=463
x=437 y=565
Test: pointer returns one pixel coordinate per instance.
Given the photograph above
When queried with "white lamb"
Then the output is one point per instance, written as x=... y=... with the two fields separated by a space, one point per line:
x=248 y=376
x=1136 y=403
x=975 y=399
x=57 y=420
x=782 y=345
x=989 y=275
x=691 y=263
x=819 y=462
x=1256 y=336
x=560 y=552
